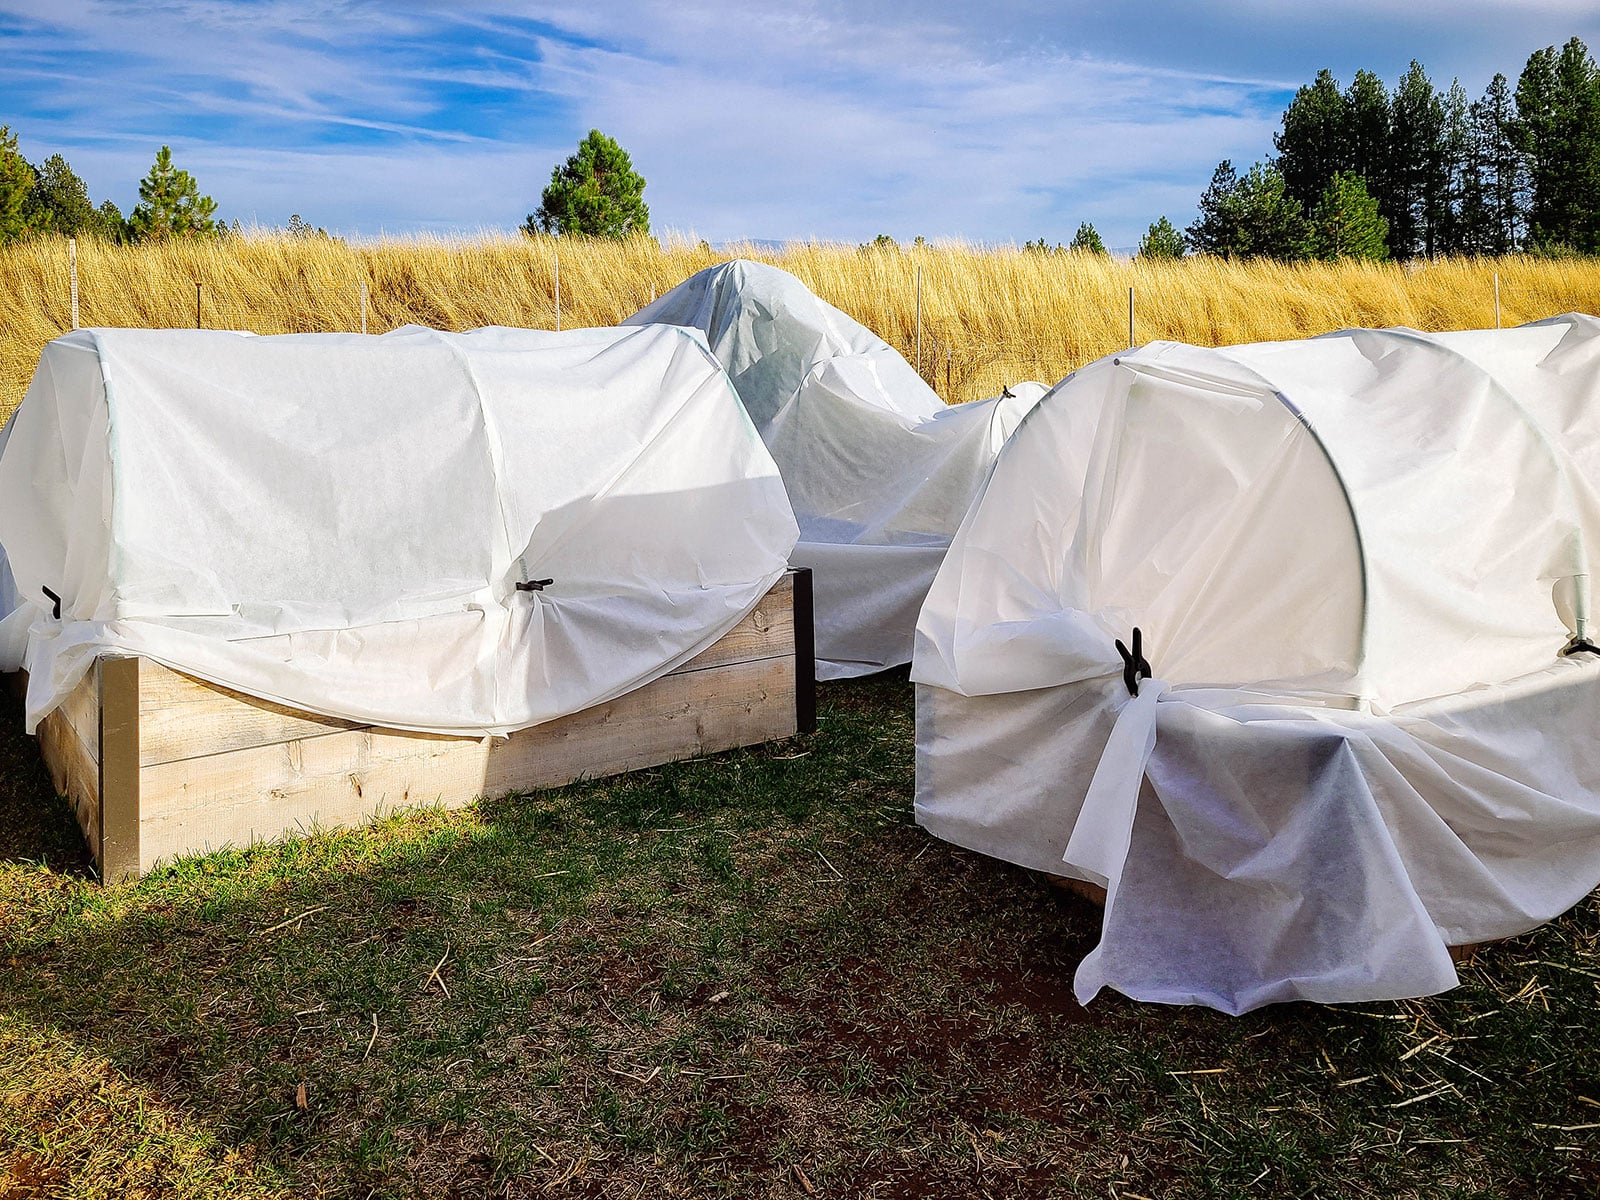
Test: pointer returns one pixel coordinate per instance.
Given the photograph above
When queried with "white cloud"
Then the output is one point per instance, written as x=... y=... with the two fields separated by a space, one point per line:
x=1008 y=120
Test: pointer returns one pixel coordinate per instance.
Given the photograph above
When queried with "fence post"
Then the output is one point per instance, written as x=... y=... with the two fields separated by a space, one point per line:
x=197 y=306
x=1497 y=299
x=1131 y=342
x=558 y=293
x=363 y=306
x=919 y=319
x=72 y=270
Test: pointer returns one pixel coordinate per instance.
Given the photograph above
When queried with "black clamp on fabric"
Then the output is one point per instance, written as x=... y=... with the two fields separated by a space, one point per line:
x=1579 y=645
x=1134 y=664
x=534 y=585
x=54 y=600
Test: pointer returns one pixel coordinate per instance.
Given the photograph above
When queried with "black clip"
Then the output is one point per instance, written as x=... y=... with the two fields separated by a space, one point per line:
x=1006 y=393
x=534 y=585
x=1579 y=645
x=1134 y=664
x=55 y=600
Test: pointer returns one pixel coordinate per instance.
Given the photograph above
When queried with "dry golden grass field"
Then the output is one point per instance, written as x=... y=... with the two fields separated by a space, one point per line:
x=990 y=316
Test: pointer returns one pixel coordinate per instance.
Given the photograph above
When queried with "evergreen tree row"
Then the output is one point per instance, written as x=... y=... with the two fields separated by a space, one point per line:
x=1367 y=173
x=52 y=199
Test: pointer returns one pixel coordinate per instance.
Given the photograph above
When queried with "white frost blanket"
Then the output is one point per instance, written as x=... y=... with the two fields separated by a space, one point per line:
x=340 y=522
x=879 y=469
x=1355 y=562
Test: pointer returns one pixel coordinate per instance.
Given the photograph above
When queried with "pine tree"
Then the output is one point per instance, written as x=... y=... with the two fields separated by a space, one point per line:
x=595 y=193
x=1253 y=217
x=1161 y=240
x=1500 y=168
x=112 y=227
x=1087 y=240
x=1367 y=116
x=1273 y=221
x=1346 y=222
x=59 y=201
x=1413 y=199
x=170 y=204
x=1217 y=229
x=1462 y=218
x=1558 y=133
x=1312 y=145
x=16 y=186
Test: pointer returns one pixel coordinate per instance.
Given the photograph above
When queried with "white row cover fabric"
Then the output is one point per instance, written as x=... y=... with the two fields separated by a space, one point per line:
x=340 y=522
x=1355 y=562
x=880 y=471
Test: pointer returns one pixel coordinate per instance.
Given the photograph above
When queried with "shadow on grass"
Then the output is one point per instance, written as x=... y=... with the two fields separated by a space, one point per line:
x=745 y=975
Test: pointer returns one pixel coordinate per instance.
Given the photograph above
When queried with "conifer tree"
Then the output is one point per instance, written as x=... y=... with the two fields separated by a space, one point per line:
x=16 y=187
x=170 y=204
x=1500 y=169
x=1313 y=143
x=1161 y=240
x=59 y=201
x=1346 y=222
x=1413 y=184
x=1087 y=240
x=1558 y=127
x=1217 y=229
x=1366 y=104
x=595 y=193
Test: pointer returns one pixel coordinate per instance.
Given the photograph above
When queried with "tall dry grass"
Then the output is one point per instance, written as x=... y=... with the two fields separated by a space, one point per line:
x=990 y=316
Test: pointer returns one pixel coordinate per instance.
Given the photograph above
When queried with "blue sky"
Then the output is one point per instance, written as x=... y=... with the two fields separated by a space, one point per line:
x=985 y=122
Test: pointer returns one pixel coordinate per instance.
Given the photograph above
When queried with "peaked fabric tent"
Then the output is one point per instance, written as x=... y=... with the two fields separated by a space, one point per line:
x=879 y=469
x=426 y=531
x=1360 y=566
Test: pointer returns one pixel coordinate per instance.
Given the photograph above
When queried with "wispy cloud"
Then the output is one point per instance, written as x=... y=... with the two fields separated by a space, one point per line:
x=827 y=118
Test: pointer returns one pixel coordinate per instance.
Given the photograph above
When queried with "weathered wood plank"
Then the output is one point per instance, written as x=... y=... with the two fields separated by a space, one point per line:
x=766 y=632
x=81 y=710
x=347 y=777
x=120 y=823
x=677 y=716
x=74 y=769
x=184 y=717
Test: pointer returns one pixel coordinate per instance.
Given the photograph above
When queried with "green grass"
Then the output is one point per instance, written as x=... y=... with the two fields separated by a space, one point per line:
x=749 y=975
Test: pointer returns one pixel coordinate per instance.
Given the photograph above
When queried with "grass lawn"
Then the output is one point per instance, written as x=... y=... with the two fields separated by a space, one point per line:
x=750 y=975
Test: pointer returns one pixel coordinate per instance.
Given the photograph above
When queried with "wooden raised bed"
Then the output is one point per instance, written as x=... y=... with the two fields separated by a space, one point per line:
x=158 y=764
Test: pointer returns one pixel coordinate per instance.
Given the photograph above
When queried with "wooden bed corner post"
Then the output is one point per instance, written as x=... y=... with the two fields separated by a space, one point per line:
x=805 y=653
x=119 y=768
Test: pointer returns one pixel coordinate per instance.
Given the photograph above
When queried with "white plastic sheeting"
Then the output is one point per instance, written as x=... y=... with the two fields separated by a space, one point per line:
x=1355 y=562
x=879 y=469
x=340 y=522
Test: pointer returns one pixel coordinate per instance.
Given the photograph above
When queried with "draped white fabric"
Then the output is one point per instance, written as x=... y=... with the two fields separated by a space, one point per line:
x=340 y=522
x=879 y=469
x=1355 y=562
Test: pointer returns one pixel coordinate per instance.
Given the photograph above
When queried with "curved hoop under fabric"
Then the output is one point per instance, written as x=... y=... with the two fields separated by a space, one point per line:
x=1559 y=460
